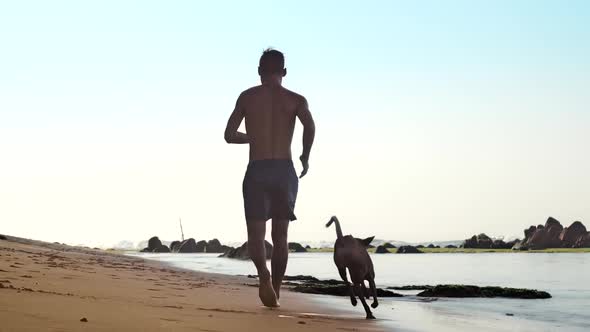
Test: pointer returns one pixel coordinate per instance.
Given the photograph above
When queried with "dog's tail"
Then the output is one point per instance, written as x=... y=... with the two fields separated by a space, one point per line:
x=338 y=229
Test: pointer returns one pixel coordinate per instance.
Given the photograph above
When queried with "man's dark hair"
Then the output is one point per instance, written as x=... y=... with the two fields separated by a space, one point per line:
x=271 y=62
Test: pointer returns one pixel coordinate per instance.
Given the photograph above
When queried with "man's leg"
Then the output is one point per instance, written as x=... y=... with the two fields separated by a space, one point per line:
x=280 y=252
x=257 y=251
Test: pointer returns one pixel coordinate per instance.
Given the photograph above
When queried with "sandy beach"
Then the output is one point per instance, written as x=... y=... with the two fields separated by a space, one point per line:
x=54 y=287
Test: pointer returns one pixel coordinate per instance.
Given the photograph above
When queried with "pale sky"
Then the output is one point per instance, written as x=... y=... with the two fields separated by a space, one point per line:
x=435 y=120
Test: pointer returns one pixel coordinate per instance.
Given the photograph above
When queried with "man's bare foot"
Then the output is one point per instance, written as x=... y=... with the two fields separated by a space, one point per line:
x=267 y=294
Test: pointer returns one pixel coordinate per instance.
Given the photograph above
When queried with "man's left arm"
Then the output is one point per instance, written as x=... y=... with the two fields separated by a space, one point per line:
x=232 y=135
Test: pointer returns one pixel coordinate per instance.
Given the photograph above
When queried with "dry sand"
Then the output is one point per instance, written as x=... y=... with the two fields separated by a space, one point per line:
x=53 y=287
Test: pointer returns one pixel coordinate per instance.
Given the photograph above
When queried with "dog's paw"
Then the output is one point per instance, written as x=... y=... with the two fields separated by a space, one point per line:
x=353 y=301
x=370 y=316
x=374 y=305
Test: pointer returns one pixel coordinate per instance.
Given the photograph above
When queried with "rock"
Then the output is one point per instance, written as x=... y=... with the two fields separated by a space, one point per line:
x=520 y=245
x=546 y=236
x=500 y=244
x=338 y=290
x=84 y=320
x=411 y=287
x=201 y=246
x=242 y=252
x=3 y=237
x=408 y=250
x=475 y=291
x=296 y=247
x=583 y=241
x=450 y=246
x=154 y=243
x=481 y=241
x=431 y=246
x=381 y=250
x=301 y=278
x=175 y=246
x=214 y=246
x=307 y=247
x=570 y=235
x=389 y=245
x=188 y=246
x=161 y=248
x=418 y=246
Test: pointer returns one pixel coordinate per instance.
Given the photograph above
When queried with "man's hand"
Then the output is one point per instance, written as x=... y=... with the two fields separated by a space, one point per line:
x=305 y=163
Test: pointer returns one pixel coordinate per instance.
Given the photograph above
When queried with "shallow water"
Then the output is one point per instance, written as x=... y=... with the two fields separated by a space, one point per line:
x=565 y=275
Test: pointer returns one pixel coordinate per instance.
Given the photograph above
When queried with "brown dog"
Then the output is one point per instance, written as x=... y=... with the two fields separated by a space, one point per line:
x=351 y=253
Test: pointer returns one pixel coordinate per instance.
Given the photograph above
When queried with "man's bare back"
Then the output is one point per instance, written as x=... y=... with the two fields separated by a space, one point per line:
x=270 y=112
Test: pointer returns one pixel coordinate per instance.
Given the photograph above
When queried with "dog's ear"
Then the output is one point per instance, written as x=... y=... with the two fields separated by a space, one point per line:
x=367 y=241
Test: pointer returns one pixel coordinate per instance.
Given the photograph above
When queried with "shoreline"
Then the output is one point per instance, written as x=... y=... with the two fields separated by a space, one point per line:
x=54 y=286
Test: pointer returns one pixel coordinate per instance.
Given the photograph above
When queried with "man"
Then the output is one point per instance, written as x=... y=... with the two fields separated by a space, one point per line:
x=270 y=184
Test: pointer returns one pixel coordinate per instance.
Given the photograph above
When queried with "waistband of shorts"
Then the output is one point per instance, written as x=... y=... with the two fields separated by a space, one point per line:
x=271 y=162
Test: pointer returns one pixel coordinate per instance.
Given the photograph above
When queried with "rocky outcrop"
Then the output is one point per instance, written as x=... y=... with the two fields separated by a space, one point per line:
x=389 y=245
x=242 y=252
x=553 y=235
x=481 y=241
x=381 y=250
x=450 y=246
x=475 y=291
x=408 y=250
x=583 y=241
x=155 y=245
x=3 y=237
x=296 y=247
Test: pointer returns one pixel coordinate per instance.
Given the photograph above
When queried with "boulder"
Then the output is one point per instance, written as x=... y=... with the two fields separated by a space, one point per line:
x=175 y=246
x=388 y=245
x=500 y=244
x=481 y=241
x=187 y=246
x=418 y=246
x=381 y=250
x=570 y=235
x=307 y=247
x=450 y=246
x=3 y=237
x=296 y=247
x=154 y=243
x=408 y=250
x=583 y=241
x=201 y=246
x=161 y=248
x=242 y=252
x=214 y=246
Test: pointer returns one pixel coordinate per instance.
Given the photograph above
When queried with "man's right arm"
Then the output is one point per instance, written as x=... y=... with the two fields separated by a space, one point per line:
x=306 y=119
x=232 y=135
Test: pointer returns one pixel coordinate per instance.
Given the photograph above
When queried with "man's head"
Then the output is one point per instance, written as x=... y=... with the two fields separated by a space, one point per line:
x=272 y=65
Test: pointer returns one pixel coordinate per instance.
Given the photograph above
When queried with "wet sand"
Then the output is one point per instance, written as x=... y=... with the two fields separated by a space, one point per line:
x=53 y=287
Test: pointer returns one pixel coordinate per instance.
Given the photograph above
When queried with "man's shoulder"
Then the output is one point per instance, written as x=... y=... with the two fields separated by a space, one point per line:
x=249 y=92
x=296 y=96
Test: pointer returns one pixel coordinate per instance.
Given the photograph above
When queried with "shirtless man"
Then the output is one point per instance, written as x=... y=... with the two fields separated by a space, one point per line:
x=270 y=184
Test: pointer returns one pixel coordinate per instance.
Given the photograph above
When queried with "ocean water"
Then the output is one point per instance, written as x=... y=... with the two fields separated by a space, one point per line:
x=565 y=275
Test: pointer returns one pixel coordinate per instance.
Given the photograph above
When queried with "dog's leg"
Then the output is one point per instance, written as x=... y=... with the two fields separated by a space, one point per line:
x=365 y=291
x=374 y=290
x=342 y=272
x=359 y=289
